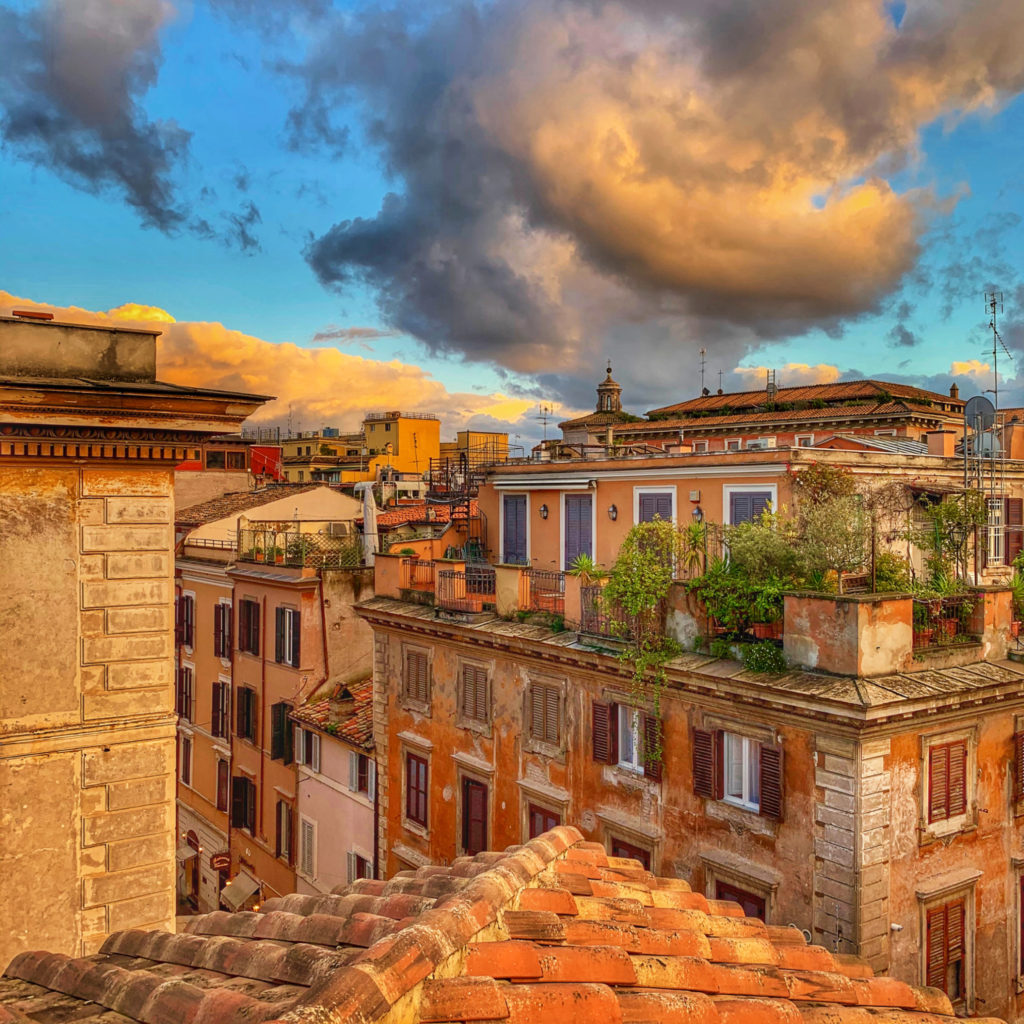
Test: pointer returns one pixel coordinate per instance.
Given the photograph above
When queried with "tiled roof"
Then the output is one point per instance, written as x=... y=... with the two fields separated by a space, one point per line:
x=599 y=419
x=841 y=391
x=237 y=501
x=546 y=933
x=902 y=445
x=356 y=725
x=416 y=512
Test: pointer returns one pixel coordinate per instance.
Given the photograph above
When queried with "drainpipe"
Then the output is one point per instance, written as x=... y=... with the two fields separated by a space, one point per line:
x=376 y=815
x=265 y=628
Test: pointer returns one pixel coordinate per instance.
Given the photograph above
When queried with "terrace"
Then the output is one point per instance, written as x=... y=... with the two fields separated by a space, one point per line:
x=300 y=544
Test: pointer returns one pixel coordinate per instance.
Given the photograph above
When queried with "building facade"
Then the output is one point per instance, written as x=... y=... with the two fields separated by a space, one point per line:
x=87 y=717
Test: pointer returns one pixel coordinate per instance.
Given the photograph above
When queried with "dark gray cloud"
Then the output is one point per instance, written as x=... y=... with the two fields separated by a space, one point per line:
x=343 y=334
x=903 y=337
x=72 y=75
x=240 y=231
x=575 y=178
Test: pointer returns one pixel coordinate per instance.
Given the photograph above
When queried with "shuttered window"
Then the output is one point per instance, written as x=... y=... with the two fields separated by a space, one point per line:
x=287 y=637
x=245 y=726
x=416 y=677
x=220 y=709
x=283 y=844
x=474 y=816
x=223 y=784
x=655 y=505
x=578 y=527
x=653 y=737
x=745 y=506
x=1014 y=528
x=185 y=697
x=222 y=630
x=473 y=700
x=362 y=774
x=358 y=867
x=545 y=713
x=944 y=949
x=416 y=789
x=628 y=737
x=243 y=803
x=947 y=780
x=604 y=732
x=307 y=748
x=739 y=770
x=249 y=626
x=514 y=529
x=1018 y=766
x=307 y=847
x=185 y=752
x=281 y=733
x=185 y=619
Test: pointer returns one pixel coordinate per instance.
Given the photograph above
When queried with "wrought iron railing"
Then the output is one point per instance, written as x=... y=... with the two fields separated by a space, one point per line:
x=465 y=591
x=599 y=619
x=545 y=591
x=417 y=574
x=943 y=620
x=275 y=544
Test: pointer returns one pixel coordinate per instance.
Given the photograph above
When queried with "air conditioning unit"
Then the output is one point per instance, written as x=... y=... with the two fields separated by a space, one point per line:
x=341 y=529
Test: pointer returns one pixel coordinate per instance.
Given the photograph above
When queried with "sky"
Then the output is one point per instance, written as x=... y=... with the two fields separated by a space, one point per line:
x=468 y=208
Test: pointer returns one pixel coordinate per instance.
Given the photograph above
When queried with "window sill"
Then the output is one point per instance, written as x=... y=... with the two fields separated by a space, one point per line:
x=416 y=829
x=739 y=818
x=475 y=725
x=416 y=706
x=947 y=830
x=556 y=751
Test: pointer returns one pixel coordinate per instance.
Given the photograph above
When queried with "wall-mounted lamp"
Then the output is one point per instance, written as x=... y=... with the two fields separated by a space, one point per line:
x=543 y=511
x=698 y=514
x=613 y=513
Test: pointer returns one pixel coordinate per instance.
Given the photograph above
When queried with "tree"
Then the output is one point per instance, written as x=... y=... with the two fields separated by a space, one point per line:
x=834 y=536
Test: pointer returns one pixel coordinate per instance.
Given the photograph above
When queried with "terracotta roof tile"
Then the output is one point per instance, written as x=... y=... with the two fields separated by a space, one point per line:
x=416 y=512
x=354 y=723
x=496 y=937
x=237 y=501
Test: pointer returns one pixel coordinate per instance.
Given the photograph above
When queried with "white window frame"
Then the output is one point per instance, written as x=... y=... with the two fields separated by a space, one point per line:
x=663 y=489
x=733 y=444
x=930 y=831
x=630 y=723
x=995 y=529
x=749 y=750
x=885 y=433
x=353 y=775
x=757 y=444
x=313 y=763
x=702 y=450
x=809 y=438
x=729 y=489
x=307 y=865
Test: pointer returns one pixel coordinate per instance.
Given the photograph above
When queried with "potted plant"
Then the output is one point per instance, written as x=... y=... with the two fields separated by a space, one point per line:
x=767 y=610
x=924 y=632
x=277 y=554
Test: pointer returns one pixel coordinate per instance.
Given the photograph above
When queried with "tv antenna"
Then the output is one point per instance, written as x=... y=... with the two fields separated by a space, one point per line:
x=544 y=412
x=703 y=360
x=994 y=307
x=719 y=380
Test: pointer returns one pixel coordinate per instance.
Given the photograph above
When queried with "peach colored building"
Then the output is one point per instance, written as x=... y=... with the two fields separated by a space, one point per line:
x=88 y=443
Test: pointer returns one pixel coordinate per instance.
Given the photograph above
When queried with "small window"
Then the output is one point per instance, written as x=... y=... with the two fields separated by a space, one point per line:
x=245 y=725
x=243 y=803
x=629 y=738
x=222 y=630
x=215 y=460
x=220 y=710
x=545 y=713
x=654 y=505
x=362 y=774
x=473 y=698
x=281 y=734
x=416 y=677
x=753 y=905
x=885 y=433
x=307 y=847
x=283 y=845
x=995 y=551
x=620 y=848
x=733 y=444
x=185 y=759
x=416 y=789
x=358 y=867
x=302 y=476
x=236 y=460
x=387 y=426
x=613 y=725
x=700 y=447
x=742 y=767
x=185 y=620
x=185 y=696
x=223 y=784
x=947 y=780
x=541 y=820
x=287 y=637
x=739 y=770
x=945 y=958
x=804 y=440
x=307 y=748
x=249 y=626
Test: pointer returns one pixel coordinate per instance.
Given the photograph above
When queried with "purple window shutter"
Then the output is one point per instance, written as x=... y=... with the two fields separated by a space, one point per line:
x=515 y=529
x=577 y=527
x=658 y=504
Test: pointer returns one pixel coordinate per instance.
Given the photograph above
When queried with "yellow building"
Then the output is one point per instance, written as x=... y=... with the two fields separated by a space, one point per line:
x=481 y=447
x=403 y=441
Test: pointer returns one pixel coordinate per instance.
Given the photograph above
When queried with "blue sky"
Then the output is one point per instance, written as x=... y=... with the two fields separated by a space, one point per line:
x=541 y=289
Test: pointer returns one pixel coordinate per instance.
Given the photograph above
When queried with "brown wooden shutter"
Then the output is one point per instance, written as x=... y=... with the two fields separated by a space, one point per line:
x=218 y=630
x=1018 y=783
x=1014 y=528
x=654 y=734
x=537 y=712
x=771 y=783
x=704 y=768
x=552 y=714
x=602 y=732
x=279 y=652
x=954 y=931
x=179 y=628
x=215 y=722
x=938 y=783
x=935 y=948
x=957 y=779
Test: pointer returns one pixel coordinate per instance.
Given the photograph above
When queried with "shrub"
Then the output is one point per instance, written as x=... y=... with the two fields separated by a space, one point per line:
x=892 y=573
x=764 y=657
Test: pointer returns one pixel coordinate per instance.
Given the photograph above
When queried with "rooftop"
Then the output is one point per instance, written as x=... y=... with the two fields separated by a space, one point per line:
x=345 y=711
x=237 y=501
x=416 y=512
x=551 y=931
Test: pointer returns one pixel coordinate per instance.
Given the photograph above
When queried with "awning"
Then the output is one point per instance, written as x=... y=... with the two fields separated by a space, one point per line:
x=184 y=851
x=238 y=890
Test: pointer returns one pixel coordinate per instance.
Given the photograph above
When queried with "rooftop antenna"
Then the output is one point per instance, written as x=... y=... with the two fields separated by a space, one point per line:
x=770 y=386
x=545 y=412
x=289 y=419
x=703 y=360
x=994 y=306
x=719 y=380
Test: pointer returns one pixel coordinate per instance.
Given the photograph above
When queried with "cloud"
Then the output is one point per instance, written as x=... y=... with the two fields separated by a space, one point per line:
x=240 y=227
x=578 y=178
x=313 y=386
x=903 y=337
x=974 y=369
x=344 y=334
x=72 y=79
x=789 y=376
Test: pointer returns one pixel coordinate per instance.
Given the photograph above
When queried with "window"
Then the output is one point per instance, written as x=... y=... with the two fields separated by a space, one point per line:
x=249 y=626
x=416 y=789
x=245 y=726
x=215 y=460
x=283 y=844
x=620 y=848
x=307 y=847
x=286 y=637
x=185 y=759
x=545 y=713
x=885 y=433
x=307 y=748
x=641 y=735
x=699 y=447
x=804 y=441
x=653 y=505
x=514 y=529
x=745 y=506
x=281 y=734
x=416 y=677
x=733 y=444
x=302 y=476
x=220 y=711
x=243 y=803
x=358 y=867
x=947 y=780
x=739 y=770
x=945 y=959
x=542 y=820
x=578 y=537
x=996 y=547
x=362 y=774
x=752 y=904
x=222 y=630
x=185 y=696
x=760 y=443
x=474 y=816
x=236 y=460
x=473 y=696
x=223 y=784
x=185 y=619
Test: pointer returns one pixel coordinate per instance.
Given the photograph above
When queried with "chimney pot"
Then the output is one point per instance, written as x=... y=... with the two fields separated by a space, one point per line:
x=32 y=314
x=954 y=391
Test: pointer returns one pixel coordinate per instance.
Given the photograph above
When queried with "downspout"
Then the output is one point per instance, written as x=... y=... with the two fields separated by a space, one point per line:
x=323 y=621
x=376 y=816
x=259 y=726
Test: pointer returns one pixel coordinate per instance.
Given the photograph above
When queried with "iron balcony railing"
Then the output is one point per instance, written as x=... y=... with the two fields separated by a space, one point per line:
x=293 y=548
x=465 y=591
x=943 y=620
x=417 y=574
x=545 y=591
x=597 y=619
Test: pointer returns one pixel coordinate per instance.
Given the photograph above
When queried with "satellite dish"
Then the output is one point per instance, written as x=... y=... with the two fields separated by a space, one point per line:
x=979 y=412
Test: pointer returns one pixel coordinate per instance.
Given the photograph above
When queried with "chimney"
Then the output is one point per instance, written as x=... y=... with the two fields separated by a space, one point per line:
x=941 y=442
x=954 y=391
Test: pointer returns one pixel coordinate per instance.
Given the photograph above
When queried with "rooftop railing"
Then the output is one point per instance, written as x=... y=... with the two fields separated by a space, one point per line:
x=545 y=591
x=598 y=619
x=465 y=591
x=297 y=549
x=418 y=574
x=943 y=620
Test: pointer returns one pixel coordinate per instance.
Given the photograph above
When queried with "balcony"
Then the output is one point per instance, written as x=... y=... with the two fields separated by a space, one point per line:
x=943 y=621
x=543 y=591
x=292 y=546
x=418 y=574
x=470 y=590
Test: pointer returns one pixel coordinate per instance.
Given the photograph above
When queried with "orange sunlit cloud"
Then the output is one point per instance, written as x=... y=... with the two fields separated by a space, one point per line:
x=789 y=376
